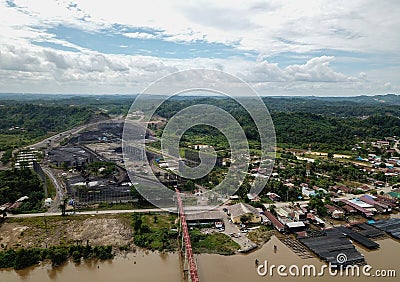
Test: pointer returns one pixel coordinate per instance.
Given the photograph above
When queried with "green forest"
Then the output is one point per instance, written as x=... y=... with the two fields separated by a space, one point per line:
x=24 y=257
x=330 y=124
x=17 y=183
x=23 y=123
x=325 y=125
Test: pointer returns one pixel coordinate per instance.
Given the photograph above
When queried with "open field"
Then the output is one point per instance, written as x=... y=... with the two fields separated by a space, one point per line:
x=57 y=230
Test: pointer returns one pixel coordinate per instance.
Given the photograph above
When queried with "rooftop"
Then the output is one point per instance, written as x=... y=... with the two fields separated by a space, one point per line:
x=241 y=209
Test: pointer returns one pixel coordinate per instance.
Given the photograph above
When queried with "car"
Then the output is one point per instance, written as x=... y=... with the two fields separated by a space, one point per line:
x=225 y=209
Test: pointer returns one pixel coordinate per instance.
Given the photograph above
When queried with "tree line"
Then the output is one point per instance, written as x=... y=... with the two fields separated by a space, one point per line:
x=25 y=257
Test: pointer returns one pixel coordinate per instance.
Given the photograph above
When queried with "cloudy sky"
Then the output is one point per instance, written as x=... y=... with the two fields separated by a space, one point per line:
x=322 y=48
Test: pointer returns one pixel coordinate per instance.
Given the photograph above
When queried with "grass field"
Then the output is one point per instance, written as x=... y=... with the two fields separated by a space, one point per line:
x=216 y=243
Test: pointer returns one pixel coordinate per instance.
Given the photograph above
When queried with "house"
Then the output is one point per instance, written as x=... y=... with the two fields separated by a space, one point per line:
x=382 y=143
x=349 y=210
x=340 y=189
x=335 y=212
x=273 y=196
x=285 y=212
x=275 y=222
x=253 y=197
x=364 y=188
x=299 y=215
x=295 y=226
x=379 y=206
x=306 y=192
x=240 y=209
x=205 y=218
x=264 y=219
x=364 y=209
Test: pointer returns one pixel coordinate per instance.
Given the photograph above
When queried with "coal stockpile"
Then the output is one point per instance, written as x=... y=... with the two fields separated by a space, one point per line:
x=331 y=244
x=358 y=238
x=367 y=230
x=390 y=226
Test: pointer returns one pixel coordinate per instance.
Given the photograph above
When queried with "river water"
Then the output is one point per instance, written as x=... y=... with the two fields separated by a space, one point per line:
x=148 y=266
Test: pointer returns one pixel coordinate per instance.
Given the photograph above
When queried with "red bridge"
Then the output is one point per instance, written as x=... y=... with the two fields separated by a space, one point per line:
x=194 y=277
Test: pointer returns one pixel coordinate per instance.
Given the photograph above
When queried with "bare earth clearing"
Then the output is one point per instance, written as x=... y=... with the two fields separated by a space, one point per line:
x=56 y=230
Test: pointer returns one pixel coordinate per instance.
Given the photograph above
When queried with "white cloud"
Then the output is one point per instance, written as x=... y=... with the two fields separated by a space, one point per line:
x=141 y=35
x=316 y=69
x=368 y=28
x=130 y=74
x=268 y=27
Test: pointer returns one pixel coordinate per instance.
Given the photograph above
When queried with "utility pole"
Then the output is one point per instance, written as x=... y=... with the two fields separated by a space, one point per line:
x=63 y=206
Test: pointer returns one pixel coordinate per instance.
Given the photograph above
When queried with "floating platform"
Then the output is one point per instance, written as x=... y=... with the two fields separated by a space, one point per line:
x=390 y=226
x=330 y=244
x=357 y=237
x=368 y=230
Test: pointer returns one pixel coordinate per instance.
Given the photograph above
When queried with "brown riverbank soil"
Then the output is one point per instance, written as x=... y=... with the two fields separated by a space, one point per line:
x=38 y=232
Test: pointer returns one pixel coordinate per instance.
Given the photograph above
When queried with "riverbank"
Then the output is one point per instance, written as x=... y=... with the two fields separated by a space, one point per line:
x=120 y=233
x=46 y=231
x=149 y=266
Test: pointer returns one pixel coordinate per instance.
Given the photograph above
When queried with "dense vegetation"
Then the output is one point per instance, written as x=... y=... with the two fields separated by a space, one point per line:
x=17 y=183
x=331 y=133
x=159 y=232
x=21 y=123
x=154 y=232
x=58 y=255
x=216 y=243
x=300 y=122
x=326 y=123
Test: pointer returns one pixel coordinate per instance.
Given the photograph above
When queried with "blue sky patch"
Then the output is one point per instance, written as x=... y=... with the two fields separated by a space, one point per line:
x=55 y=46
x=112 y=41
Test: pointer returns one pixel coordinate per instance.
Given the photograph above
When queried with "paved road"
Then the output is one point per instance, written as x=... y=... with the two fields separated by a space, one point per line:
x=94 y=212
x=27 y=215
x=57 y=138
x=60 y=190
x=239 y=237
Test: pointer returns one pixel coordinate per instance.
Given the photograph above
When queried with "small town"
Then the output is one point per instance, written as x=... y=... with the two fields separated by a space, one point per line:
x=342 y=199
x=199 y=141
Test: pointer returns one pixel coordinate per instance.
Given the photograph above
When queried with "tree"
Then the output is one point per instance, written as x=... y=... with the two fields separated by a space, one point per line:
x=137 y=223
x=189 y=185
x=164 y=237
x=244 y=218
x=25 y=258
x=63 y=206
x=317 y=203
x=272 y=209
x=136 y=194
x=87 y=251
x=76 y=256
x=7 y=156
x=58 y=256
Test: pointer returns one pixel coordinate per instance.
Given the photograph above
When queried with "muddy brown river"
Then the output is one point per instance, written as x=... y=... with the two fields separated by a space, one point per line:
x=142 y=266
